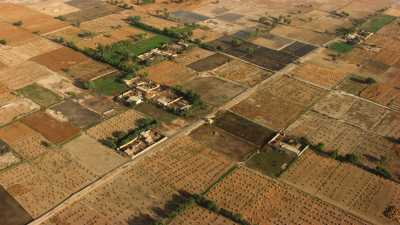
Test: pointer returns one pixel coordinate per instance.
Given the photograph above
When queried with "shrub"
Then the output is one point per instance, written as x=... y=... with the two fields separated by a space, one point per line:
x=18 y=23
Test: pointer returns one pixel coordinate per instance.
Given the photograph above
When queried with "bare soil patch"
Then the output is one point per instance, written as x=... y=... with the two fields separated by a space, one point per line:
x=52 y=129
x=170 y=73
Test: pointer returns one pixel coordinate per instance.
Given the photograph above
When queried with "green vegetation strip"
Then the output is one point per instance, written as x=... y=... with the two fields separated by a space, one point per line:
x=377 y=22
x=340 y=47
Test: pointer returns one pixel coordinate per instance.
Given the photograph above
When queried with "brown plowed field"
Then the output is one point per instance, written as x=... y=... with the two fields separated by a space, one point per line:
x=54 y=130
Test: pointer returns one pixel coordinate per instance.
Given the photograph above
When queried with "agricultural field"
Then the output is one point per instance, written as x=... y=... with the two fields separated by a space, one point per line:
x=244 y=128
x=97 y=158
x=122 y=122
x=169 y=73
x=40 y=95
x=52 y=126
x=224 y=142
x=214 y=91
x=358 y=112
x=345 y=185
x=101 y=105
x=15 y=109
x=24 y=74
x=196 y=215
x=245 y=191
x=279 y=102
x=11 y=210
x=76 y=114
x=271 y=162
x=241 y=72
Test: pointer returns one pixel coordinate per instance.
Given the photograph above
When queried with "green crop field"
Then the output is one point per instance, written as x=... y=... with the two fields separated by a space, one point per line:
x=40 y=95
x=108 y=86
x=376 y=23
x=340 y=47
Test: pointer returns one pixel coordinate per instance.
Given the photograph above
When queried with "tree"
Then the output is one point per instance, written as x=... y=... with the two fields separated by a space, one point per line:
x=236 y=42
x=18 y=23
x=3 y=42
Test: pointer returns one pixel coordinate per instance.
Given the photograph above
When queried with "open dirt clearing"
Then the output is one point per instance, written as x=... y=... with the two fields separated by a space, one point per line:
x=16 y=109
x=170 y=73
x=97 y=158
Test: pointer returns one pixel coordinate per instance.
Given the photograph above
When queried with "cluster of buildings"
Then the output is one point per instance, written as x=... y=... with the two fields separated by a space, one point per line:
x=141 y=142
x=171 y=51
x=142 y=89
x=284 y=142
x=357 y=37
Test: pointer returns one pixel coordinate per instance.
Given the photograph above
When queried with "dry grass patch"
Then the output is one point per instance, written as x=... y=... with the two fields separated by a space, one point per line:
x=16 y=109
x=170 y=73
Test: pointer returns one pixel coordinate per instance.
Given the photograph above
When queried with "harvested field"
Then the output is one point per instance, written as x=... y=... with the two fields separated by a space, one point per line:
x=193 y=55
x=122 y=122
x=244 y=128
x=23 y=140
x=355 y=111
x=34 y=48
x=11 y=212
x=196 y=215
x=244 y=73
x=210 y=62
x=59 y=85
x=271 y=162
x=188 y=17
x=40 y=95
x=223 y=142
x=302 y=35
x=15 y=109
x=279 y=102
x=298 y=49
x=213 y=90
x=157 y=21
x=32 y=189
x=388 y=126
x=333 y=134
x=54 y=130
x=102 y=105
x=384 y=94
x=346 y=185
x=272 y=41
x=33 y=21
x=52 y=8
x=90 y=10
x=245 y=192
x=352 y=85
x=88 y=70
x=76 y=114
x=60 y=167
x=374 y=67
x=169 y=73
x=60 y=59
x=5 y=95
x=17 y=77
x=319 y=75
x=14 y=35
x=94 y=156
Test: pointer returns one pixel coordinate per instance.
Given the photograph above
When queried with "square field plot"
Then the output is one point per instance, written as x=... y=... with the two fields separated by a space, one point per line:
x=17 y=77
x=102 y=105
x=76 y=114
x=210 y=62
x=15 y=109
x=213 y=90
x=299 y=49
x=11 y=212
x=90 y=10
x=94 y=156
x=40 y=95
x=279 y=102
x=241 y=72
x=193 y=55
x=272 y=41
x=170 y=73
x=188 y=17
x=60 y=59
x=244 y=128
x=55 y=130
x=353 y=110
x=303 y=35
x=223 y=142
x=15 y=36
x=23 y=140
